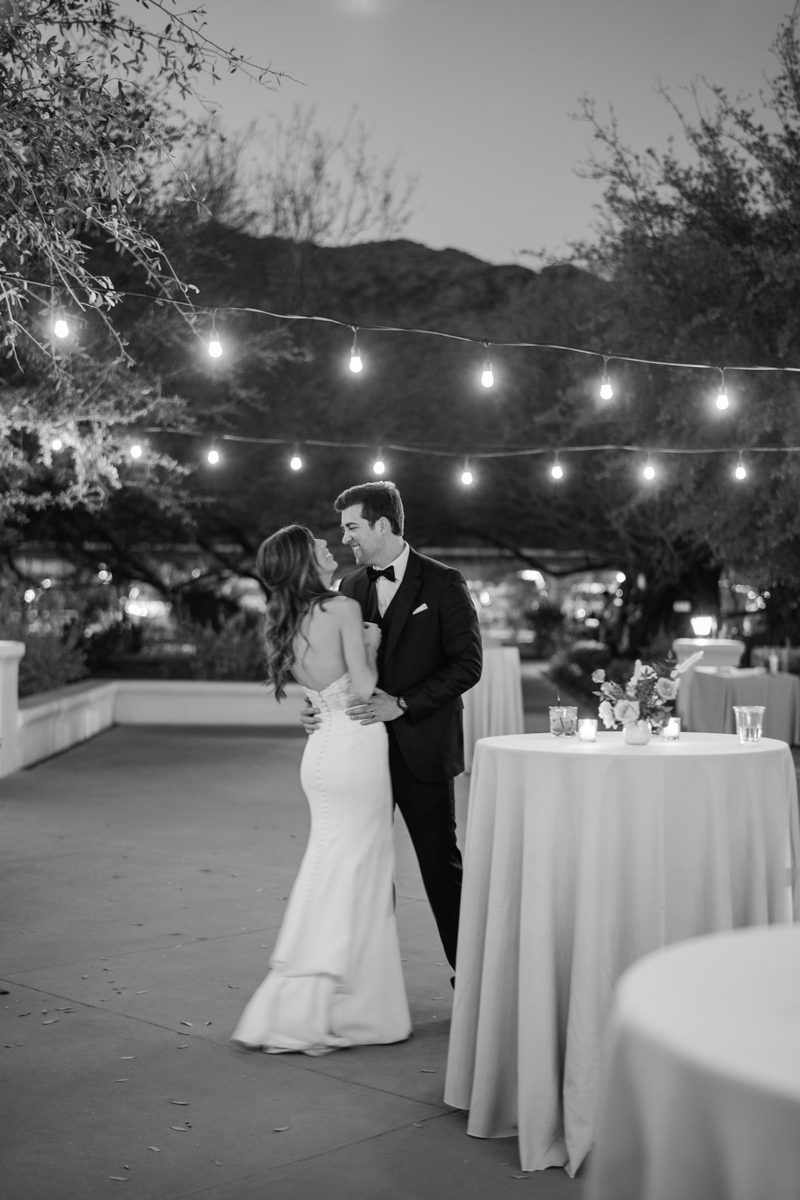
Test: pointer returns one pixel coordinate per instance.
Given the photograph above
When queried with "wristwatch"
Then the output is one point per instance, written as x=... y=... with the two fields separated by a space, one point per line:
x=401 y=704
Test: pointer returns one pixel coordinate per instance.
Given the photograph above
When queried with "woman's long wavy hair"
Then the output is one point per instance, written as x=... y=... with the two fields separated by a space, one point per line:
x=286 y=564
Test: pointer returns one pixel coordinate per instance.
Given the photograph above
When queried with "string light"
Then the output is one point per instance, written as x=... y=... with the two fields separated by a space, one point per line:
x=57 y=444
x=213 y=456
x=467 y=478
x=606 y=390
x=136 y=450
x=722 y=398
x=741 y=471
x=557 y=471
x=214 y=345
x=356 y=364
x=296 y=462
x=487 y=375
x=60 y=327
x=649 y=471
x=379 y=466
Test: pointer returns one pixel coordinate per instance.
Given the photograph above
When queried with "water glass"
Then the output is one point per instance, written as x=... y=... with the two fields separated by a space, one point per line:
x=563 y=720
x=749 y=721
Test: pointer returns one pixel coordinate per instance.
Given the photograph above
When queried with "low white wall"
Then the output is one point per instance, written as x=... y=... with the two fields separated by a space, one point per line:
x=178 y=702
x=49 y=723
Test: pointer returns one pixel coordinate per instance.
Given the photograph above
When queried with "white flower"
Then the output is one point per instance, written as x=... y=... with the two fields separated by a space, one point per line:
x=637 y=671
x=598 y=676
x=626 y=711
x=667 y=689
x=606 y=714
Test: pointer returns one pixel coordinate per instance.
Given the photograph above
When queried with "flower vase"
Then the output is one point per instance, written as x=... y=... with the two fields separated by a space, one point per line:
x=636 y=733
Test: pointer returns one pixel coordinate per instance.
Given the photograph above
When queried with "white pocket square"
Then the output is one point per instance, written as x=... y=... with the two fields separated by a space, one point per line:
x=421 y=608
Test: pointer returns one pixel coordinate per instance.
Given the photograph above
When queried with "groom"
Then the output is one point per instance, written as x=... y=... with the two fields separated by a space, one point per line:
x=430 y=654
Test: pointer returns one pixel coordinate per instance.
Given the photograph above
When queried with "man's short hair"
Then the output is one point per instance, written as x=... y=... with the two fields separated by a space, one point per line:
x=378 y=499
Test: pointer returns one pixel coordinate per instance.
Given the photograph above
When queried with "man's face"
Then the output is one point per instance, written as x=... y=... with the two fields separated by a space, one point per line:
x=365 y=540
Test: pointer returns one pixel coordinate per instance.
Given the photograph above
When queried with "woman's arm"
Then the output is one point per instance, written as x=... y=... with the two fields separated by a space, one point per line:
x=360 y=659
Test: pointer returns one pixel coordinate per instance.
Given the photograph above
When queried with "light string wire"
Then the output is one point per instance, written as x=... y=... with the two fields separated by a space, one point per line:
x=520 y=452
x=486 y=343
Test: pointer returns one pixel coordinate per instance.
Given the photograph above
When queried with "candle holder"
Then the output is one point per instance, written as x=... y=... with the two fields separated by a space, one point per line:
x=672 y=729
x=563 y=720
x=587 y=729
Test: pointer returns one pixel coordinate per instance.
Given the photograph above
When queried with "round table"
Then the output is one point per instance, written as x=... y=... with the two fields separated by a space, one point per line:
x=701 y=1084
x=579 y=860
x=494 y=705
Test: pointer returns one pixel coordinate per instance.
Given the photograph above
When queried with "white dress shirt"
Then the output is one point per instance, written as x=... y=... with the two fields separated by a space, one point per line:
x=385 y=588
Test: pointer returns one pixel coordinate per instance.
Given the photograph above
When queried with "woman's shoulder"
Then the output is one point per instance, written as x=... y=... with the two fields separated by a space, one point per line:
x=339 y=607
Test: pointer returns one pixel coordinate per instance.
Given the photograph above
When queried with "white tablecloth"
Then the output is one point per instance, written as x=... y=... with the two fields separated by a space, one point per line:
x=712 y=692
x=701 y=1084
x=580 y=859
x=494 y=706
x=717 y=652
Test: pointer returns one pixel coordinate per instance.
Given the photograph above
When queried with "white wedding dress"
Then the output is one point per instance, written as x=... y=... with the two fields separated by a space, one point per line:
x=336 y=978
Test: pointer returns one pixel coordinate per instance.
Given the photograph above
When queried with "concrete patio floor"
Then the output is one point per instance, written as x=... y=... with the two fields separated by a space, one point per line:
x=144 y=878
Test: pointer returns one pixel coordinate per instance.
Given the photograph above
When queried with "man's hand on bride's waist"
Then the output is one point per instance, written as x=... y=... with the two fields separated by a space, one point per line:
x=380 y=707
x=309 y=717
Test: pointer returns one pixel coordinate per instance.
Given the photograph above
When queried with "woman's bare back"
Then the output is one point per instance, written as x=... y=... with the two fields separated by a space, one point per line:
x=318 y=652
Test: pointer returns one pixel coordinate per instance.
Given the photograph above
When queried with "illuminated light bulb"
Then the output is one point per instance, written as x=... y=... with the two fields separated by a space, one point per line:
x=621 y=577
x=722 y=400
x=379 y=466
x=61 y=328
x=356 y=364
x=649 y=471
x=295 y=462
x=136 y=450
x=215 y=346
x=557 y=471
x=213 y=457
x=57 y=444
x=487 y=376
x=741 y=470
x=606 y=390
x=467 y=478
x=29 y=595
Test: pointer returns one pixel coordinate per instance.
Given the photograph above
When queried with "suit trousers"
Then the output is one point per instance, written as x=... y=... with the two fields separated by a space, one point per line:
x=429 y=812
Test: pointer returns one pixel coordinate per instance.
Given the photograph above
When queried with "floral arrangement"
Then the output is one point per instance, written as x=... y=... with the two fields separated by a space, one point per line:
x=647 y=696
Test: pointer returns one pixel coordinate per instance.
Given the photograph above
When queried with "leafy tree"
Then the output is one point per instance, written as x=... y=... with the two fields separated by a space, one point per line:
x=86 y=114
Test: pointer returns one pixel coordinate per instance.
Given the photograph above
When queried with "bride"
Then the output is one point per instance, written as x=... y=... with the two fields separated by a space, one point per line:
x=335 y=977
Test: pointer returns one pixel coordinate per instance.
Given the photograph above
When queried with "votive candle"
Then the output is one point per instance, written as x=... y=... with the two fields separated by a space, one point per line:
x=672 y=729
x=587 y=729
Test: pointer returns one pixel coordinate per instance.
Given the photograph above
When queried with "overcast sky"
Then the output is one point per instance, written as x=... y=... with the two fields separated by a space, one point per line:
x=475 y=96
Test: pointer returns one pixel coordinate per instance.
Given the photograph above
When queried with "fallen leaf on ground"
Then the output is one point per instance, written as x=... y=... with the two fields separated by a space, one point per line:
x=235 y=986
x=437 y=997
x=179 y=1128
x=121 y=1178
x=156 y=1148
x=428 y=1070
x=183 y=1045
x=216 y=1162
x=518 y=1176
x=123 y=1057
x=184 y=1103
x=189 y=1023
x=209 y=1022
x=51 y=1021
x=27 y=1014
x=281 y=1128
x=141 y=993
x=125 y=1079
x=417 y=1124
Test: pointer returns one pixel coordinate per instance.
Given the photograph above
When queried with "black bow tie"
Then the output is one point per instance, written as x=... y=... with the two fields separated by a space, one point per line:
x=373 y=573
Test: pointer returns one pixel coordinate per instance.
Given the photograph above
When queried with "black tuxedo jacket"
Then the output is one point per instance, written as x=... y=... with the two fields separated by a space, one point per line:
x=430 y=654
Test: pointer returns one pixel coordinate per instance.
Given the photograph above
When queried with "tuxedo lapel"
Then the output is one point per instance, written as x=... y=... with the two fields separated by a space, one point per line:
x=404 y=600
x=358 y=587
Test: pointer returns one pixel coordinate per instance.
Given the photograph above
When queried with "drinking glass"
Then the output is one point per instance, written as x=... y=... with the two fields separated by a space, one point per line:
x=749 y=721
x=563 y=720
